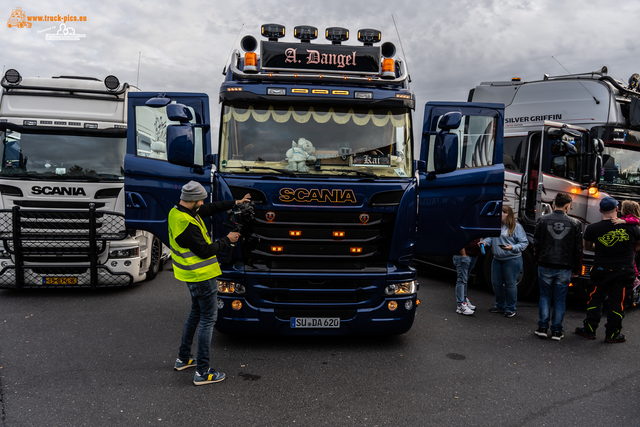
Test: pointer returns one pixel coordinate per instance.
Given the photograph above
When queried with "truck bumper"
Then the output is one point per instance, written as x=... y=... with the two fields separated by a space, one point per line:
x=378 y=320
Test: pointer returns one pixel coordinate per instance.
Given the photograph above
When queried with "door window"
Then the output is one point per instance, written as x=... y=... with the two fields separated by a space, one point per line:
x=476 y=142
x=151 y=134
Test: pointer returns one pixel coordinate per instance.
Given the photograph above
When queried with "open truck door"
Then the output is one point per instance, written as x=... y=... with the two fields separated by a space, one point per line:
x=168 y=138
x=461 y=176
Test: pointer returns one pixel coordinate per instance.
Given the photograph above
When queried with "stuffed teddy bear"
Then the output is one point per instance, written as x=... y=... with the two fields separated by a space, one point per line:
x=299 y=155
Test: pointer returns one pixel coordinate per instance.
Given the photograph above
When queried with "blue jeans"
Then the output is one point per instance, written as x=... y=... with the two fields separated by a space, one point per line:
x=204 y=311
x=554 y=284
x=504 y=277
x=464 y=265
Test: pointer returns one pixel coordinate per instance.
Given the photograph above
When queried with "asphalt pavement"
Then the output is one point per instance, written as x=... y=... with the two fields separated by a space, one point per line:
x=83 y=358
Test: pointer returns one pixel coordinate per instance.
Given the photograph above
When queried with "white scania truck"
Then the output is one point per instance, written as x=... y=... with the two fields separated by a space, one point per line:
x=62 y=197
x=539 y=161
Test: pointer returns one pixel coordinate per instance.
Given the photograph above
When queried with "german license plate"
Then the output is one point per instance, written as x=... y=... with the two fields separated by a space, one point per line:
x=315 y=322
x=59 y=280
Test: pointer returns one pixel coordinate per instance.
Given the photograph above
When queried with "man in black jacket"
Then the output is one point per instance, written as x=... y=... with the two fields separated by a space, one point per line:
x=557 y=244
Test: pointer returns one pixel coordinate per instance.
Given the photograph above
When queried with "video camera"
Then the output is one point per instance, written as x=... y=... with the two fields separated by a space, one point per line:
x=241 y=215
x=241 y=219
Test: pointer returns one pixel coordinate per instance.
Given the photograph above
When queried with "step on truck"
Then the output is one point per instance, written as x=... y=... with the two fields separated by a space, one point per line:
x=599 y=117
x=62 y=198
x=320 y=135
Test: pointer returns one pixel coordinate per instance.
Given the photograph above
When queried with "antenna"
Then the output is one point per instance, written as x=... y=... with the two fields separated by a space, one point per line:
x=224 y=70
x=585 y=88
x=138 y=76
x=401 y=47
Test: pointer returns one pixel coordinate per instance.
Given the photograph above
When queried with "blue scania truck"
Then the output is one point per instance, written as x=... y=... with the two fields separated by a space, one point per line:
x=321 y=137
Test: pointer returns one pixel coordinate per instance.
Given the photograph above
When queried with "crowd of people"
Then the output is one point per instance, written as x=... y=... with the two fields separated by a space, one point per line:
x=557 y=246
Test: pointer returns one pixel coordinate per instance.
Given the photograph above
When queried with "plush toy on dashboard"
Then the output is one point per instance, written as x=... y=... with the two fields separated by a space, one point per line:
x=299 y=155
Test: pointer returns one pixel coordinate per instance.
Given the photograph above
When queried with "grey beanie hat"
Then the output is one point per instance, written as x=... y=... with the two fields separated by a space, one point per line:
x=193 y=191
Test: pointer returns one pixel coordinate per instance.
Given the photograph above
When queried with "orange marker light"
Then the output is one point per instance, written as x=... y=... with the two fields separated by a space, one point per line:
x=388 y=67
x=593 y=191
x=295 y=233
x=355 y=250
x=277 y=248
x=338 y=234
x=575 y=190
x=250 y=59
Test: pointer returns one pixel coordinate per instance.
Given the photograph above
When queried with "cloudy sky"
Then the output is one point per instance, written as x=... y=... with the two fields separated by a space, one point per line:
x=450 y=46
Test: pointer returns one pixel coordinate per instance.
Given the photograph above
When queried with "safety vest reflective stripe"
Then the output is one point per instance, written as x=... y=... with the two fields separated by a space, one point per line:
x=182 y=254
x=201 y=264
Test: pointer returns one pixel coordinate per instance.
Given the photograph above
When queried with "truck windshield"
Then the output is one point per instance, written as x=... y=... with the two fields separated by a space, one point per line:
x=319 y=140
x=621 y=156
x=58 y=156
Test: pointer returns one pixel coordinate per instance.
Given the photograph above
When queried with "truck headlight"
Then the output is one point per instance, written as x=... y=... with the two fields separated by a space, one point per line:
x=227 y=287
x=123 y=253
x=404 y=288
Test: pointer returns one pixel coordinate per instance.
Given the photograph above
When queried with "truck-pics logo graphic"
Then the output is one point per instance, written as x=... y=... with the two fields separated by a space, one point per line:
x=65 y=33
x=18 y=19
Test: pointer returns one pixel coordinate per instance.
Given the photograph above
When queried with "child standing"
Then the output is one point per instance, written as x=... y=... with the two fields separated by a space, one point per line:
x=631 y=215
x=464 y=264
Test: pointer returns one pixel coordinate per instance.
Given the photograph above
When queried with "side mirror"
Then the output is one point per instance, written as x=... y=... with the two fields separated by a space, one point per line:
x=598 y=145
x=180 y=145
x=445 y=152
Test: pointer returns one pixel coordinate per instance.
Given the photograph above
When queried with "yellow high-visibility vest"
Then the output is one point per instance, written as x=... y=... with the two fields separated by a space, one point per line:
x=187 y=266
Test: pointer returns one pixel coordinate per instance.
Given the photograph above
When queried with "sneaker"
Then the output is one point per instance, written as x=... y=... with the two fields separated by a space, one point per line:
x=615 y=339
x=509 y=314
x=541 y=332
x=464 y=309
x=496 y=310
x=210 y=377
x=180 y=364
x=471 y=306
x=585 y=333
x=557 y=336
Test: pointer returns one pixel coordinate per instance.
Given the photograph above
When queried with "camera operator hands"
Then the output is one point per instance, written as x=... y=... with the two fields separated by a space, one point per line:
x=246 y=198
x=233 y=236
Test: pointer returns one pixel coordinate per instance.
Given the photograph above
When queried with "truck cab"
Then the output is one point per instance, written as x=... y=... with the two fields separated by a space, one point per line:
x=321 y=137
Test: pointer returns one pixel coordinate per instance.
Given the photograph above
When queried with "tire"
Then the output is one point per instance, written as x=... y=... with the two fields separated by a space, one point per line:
x=156 y=255
x=527 y=279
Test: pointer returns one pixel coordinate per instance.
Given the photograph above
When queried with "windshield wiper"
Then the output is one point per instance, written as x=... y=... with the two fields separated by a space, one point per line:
x=357 y=172
x=282 y=171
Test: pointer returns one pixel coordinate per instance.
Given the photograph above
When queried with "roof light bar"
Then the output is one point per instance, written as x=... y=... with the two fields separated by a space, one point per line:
x=369 y=36
x=272 y=31
x=305 y=33
x=111 y=82
x=12 y=77
x=336 y=35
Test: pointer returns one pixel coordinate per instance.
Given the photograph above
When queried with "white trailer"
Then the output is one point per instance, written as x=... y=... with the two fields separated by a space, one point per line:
x=537 y=168
x=62 y=198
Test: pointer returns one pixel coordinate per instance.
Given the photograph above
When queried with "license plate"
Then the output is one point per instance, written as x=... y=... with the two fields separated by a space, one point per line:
x=59 y=280
x=315 y=322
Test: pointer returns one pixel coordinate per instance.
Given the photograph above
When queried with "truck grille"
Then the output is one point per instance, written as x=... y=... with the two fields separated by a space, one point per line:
x=295 y=240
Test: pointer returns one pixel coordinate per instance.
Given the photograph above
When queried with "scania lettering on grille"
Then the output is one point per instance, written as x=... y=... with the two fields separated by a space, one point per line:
x=58 y=191
x=317 y=195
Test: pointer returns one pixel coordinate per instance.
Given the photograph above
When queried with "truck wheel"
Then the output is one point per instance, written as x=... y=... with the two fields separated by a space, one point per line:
x=527 y=278
x=156 y=254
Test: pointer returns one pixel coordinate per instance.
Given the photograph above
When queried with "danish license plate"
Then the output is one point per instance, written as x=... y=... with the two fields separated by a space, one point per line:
x=315 y=322
x=59 y=280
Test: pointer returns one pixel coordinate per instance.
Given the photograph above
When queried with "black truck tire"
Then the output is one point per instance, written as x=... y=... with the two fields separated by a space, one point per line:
x=156 y=255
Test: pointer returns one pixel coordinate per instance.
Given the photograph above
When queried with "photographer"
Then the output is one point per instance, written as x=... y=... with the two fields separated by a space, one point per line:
x=195 y=262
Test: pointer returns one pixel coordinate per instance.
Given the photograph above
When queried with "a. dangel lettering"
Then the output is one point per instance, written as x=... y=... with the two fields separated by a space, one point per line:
x=58 y=191
x=316 y=195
